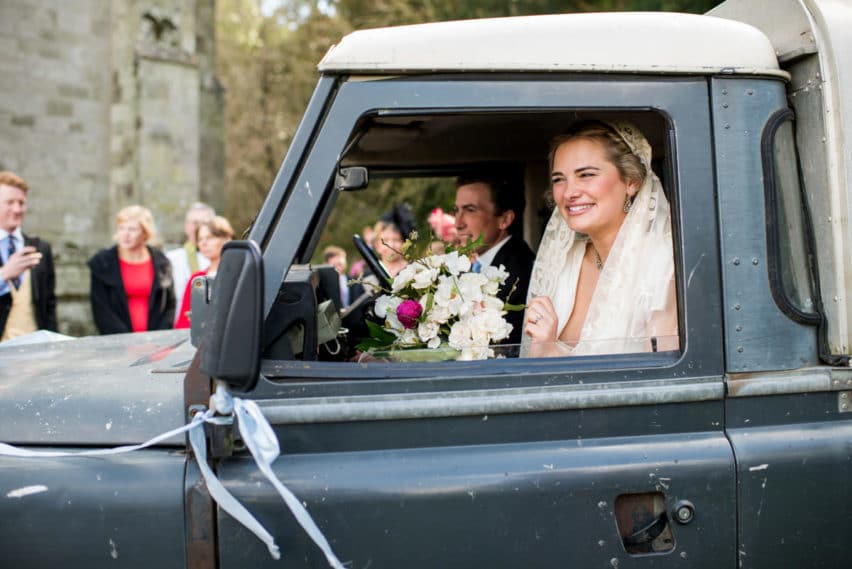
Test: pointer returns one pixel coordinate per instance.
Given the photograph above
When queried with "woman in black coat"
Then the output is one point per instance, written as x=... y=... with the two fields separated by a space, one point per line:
x=131 y=282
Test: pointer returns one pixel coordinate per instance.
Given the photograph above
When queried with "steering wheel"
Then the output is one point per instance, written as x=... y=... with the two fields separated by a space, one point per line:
x=372 y=261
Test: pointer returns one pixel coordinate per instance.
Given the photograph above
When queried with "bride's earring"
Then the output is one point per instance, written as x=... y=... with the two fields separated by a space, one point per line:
x=627 y=203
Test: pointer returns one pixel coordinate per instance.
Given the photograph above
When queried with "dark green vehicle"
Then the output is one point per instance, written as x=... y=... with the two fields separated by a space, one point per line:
x=733 y=451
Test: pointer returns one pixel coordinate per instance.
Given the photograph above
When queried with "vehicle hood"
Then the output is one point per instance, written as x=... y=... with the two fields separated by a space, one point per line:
x=94 y=391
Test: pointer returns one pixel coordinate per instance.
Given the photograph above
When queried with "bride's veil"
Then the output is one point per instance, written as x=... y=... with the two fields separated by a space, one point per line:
x=636 y=281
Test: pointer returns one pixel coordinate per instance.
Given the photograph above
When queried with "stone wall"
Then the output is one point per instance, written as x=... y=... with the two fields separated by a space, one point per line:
x=105 y=104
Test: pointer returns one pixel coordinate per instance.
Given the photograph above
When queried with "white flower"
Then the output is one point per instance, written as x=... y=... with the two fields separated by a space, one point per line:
x=470 y=287
x=427 y=330
x=386 y=304
x=424 y=278
x=493 y=273
x=496 y=276
x=457 y=263
x=434 y=261
x=445 y=292
x=460 y=335
x=405 y=276
x=493 y=303
x=493 y=325
x=433 y=343
x=408 y=338
x=438 y=314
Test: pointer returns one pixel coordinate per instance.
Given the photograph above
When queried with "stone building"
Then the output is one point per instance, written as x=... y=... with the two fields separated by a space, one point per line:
x=105 y=103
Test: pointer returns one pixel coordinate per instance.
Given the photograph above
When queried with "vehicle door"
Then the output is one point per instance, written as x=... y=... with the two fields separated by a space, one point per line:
x=598 y=461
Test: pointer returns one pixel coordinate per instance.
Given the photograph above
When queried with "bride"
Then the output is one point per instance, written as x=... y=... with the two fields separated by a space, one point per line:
x=603 y=279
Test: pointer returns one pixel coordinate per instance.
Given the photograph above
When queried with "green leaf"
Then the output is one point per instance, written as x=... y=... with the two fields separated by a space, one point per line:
x=380 y=334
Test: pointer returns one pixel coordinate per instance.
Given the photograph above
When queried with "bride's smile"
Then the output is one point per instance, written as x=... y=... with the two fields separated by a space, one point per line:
x=588 y=189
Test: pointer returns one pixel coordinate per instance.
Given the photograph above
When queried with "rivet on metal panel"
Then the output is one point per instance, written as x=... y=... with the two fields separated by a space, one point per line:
x=755 y=261
x=724 y=105
x=736 y=261
x=724 y=91
x=750 y=92
x=739 y=349
x=727 y=126
x=739 y=327
x=843 y=405
x=737 y=307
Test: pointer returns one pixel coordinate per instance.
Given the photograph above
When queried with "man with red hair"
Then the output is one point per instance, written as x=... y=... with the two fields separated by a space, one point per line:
x=27 y=280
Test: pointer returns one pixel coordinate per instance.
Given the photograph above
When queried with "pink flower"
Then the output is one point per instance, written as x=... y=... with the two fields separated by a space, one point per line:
x=443 y=225
x=408 y=312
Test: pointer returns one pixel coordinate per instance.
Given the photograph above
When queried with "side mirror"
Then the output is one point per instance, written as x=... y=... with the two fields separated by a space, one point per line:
x=232 y=336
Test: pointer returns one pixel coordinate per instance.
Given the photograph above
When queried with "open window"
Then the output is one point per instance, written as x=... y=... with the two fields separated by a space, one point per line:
x=414 y=158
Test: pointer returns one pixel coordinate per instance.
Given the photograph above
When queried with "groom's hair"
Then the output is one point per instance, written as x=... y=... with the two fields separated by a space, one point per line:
x=506 y=187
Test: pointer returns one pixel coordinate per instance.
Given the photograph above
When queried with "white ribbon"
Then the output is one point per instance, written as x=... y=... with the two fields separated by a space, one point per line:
x=261 y=442
x=263 y=445
x=9 y=450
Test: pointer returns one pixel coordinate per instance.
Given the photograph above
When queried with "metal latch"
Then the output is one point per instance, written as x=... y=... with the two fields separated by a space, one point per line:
x=219 y=435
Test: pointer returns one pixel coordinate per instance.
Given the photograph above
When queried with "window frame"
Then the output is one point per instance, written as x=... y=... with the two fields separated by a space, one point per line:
x=684 y=102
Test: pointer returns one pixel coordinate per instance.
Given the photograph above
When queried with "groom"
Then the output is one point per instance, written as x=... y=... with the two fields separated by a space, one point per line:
x=491 y=204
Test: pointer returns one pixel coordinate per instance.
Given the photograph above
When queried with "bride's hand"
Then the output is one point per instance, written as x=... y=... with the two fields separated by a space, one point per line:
x=540 y=320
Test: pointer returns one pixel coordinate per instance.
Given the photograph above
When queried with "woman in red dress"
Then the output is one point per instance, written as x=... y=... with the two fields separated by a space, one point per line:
x=211 y=237
x=132 y=281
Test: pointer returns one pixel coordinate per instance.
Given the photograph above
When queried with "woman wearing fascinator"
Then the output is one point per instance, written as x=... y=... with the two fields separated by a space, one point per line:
x=603 y=279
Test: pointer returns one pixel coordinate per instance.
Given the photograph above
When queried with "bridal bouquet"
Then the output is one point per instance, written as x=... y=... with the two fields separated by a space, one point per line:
x=436 y=302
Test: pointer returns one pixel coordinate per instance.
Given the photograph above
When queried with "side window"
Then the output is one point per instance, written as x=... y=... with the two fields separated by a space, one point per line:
x=790 y=274
x=441 y=176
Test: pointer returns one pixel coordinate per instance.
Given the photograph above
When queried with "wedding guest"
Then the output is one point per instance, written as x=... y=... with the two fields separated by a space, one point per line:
x=188 y=259
x=27 y=281
x=211 y=237
x=603 y=280
x=131 y=282
x=388 y=247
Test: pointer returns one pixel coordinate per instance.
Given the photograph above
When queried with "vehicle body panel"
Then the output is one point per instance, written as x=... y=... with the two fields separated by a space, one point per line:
x=101 y=390
x=792 y=439
x=541 y=500
x=124 y=510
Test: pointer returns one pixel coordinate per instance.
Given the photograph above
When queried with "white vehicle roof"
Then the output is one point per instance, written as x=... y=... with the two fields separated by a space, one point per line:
x=613 y=42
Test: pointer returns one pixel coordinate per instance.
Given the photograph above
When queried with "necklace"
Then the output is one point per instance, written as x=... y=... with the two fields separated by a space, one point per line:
x=598 y=262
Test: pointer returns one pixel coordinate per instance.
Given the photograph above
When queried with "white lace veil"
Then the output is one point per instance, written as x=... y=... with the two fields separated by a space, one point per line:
x=637 y=281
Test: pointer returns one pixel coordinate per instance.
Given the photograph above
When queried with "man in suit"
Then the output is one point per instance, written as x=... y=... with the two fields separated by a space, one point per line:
x=188 y=260
x=27 y=298
x=491 y=204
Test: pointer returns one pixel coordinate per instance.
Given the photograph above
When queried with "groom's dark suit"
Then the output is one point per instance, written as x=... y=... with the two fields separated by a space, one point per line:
x=517 y=258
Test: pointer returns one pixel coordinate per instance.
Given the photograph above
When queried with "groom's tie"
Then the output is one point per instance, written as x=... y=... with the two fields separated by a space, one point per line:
x=476 y=267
